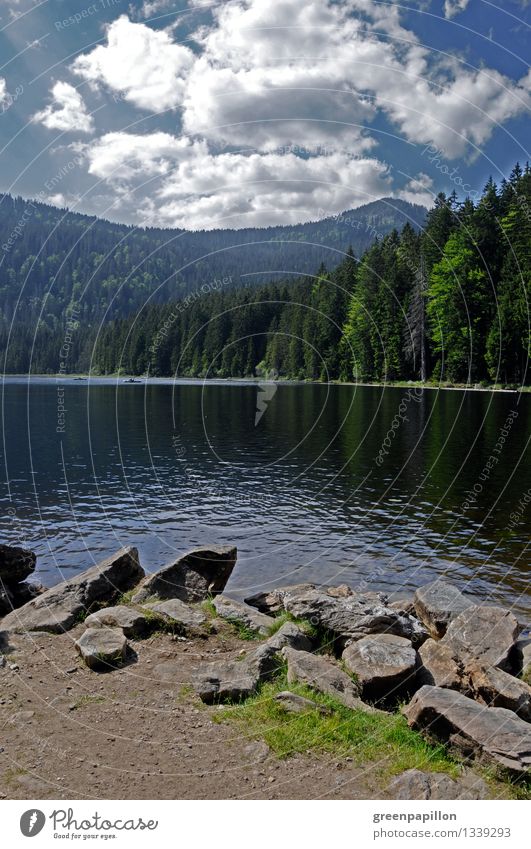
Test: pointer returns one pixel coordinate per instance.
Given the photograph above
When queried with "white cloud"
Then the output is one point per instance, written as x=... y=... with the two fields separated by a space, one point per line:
x=3 y=90
x=152 y=7
x=179 y=183
x=267 y=75
x=144 y=64
x=453 y=7
x=67 y=112
x=418 y=190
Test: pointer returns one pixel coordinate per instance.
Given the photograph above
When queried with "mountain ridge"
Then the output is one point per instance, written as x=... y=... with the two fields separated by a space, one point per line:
x=52 y=258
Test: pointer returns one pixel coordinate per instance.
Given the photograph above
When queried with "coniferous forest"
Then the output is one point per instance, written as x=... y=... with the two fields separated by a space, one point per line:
x=449 y=301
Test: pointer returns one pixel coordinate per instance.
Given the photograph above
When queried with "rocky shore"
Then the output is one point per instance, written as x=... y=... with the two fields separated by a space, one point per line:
x=450 y=675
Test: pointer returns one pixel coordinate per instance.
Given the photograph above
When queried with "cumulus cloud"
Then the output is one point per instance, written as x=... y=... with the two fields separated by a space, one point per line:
x=275 y=72
x=3 y=90
x=178 y=182
x=67 y=112
x=453 y=7
x=143 y=64
x=277 y=109
x=152 y=7
x=418 y=190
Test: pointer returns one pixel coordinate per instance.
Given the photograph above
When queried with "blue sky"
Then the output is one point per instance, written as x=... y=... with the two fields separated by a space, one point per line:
x=257 y=112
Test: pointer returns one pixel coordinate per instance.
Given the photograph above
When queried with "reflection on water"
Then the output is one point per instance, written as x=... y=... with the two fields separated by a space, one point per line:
x=367 y=486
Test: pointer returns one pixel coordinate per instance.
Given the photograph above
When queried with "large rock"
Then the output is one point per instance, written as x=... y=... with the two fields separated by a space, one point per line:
x=16 y=564
x=486 y=633
x=497 y=688
x=523 y=655
x=233 y=680
x=6 y=600
x=383 y=664
x=272 y=601
x=196 y=575
x=436 y=604
x=352 y=617
x=415 y=784
x=102 y=648
x=439 y=666
x=243 y=614
x=176 y=613
x=16 y=595
x=59 y=608
x=132 y=622
x=487 y=734
x=324 y=676
x=289 y=634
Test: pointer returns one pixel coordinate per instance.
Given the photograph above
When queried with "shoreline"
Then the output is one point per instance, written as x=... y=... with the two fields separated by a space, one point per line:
x=131 y=379
x=273 y=694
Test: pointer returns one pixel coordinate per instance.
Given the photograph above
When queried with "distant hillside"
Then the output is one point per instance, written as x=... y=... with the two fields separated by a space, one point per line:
x=51 y=259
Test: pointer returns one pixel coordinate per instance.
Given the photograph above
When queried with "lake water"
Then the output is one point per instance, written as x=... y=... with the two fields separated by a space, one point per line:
x=377 y=488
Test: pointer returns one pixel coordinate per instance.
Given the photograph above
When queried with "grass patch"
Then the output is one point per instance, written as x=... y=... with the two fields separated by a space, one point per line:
x=207 y=607
x=12 y=774
x=242 y=630
x=281 y=620
x=365 y=737
x=87 y=700
x=126 y=598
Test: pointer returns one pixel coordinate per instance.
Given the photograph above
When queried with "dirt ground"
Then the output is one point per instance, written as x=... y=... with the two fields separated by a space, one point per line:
x=139 y=732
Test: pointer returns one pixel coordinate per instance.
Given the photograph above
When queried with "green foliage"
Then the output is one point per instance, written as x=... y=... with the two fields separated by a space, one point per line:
x=365 y=737
x=449 y=303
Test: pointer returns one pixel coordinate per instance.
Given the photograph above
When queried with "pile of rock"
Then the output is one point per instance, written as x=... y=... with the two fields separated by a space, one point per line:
x=158 y=600
x=16 y=565
x=454 y=661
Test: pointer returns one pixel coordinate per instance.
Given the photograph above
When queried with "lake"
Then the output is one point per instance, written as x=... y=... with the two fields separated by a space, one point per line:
x=381 y=488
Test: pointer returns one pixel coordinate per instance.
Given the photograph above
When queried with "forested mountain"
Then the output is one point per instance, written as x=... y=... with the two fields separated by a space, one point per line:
x=448 y=303
x=51 y=259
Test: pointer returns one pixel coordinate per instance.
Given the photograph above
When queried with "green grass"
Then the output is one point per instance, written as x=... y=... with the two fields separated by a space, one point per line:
x=87 y=700
x=381 y=739
x=207 y=607
x=126 y=598
x=242 y=630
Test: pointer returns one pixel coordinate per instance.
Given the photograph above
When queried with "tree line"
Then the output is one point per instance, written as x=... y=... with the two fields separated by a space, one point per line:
x=449 y=302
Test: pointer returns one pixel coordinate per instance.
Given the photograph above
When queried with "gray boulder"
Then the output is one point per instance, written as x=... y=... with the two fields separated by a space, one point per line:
x=486 y=633
x=489 y=734
x=59 y=608
x=324 y=676
x=293 y=703
x=497 y=688
x=352 y=617
x=523 y=655
x=176 y=613
x=436 y=604
x=193 y=577
x=16 y=564
x=405 y=605
x=382 y=663
x=132 y=622
x=102 y=648
x=243 y=614
x=271 y=602
x=289 y=634
x=234 y=680
x=438 y=666
x=415 y=784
